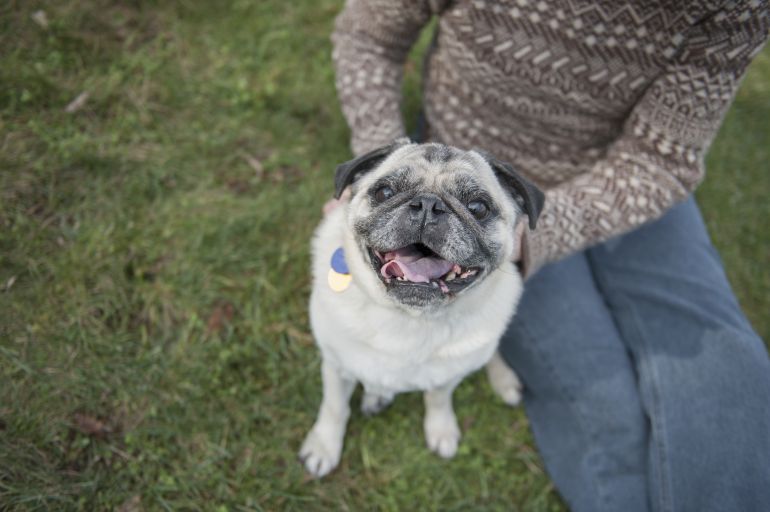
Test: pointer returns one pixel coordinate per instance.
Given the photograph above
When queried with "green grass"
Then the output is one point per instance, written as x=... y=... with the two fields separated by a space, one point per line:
x=154 y=343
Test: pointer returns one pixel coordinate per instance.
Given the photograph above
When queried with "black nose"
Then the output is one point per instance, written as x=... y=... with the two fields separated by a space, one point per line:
x=428 y=207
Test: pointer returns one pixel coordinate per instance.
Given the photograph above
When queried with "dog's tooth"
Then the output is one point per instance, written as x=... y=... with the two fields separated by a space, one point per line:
x=450 y=276
x=473 y=272
x=434 y=284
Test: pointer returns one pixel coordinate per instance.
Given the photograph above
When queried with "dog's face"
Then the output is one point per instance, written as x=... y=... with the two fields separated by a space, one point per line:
x=431 y=221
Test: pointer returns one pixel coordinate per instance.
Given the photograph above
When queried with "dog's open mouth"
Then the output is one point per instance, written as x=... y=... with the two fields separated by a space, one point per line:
x=417 y=264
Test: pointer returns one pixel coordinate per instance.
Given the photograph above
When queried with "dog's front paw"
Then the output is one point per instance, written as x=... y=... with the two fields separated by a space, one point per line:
x=442 y=436
x=372 y=404
x=504 y=381
x=319 y=455
x=510 y=391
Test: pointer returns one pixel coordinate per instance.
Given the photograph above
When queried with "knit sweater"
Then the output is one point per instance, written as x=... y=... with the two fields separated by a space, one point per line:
x=609 y=106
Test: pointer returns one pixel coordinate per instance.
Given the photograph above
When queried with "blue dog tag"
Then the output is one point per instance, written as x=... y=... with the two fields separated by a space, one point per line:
x=338 y=262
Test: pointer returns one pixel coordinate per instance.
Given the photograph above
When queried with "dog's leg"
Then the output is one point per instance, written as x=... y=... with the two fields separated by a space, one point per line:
x=374 y=403
x=504 y=380
x=441 y=430
x=323 y=445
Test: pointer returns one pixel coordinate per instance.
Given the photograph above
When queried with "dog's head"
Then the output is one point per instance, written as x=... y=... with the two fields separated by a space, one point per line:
x=432 y=221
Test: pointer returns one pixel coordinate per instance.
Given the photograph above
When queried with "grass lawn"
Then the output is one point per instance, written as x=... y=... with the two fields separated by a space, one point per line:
x=154 y=270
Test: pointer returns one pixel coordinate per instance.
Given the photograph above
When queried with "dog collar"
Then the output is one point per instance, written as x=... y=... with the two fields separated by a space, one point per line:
x=339 y=277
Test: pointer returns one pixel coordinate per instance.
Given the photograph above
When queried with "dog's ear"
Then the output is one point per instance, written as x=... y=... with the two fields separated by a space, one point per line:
x=348 y=172
x=529 y=197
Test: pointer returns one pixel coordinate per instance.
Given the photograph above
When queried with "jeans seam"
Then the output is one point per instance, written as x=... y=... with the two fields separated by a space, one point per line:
x=600 y=492
x=656 y=418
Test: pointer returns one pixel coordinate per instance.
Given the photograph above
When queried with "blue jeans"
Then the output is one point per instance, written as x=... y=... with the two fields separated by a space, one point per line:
x=645 y=385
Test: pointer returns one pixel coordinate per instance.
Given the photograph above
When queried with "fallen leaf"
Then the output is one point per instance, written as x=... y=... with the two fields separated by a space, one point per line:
x=9 y=283
x=255 y=164
x=132 y=504
x=90 y=426
x=237 y=186
x=221 y=315
x=301 y=336
x=291 y=331
x=40 y=18
x=286 y=174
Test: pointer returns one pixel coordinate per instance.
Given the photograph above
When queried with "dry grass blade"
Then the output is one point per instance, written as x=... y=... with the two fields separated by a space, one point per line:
x=78 y=103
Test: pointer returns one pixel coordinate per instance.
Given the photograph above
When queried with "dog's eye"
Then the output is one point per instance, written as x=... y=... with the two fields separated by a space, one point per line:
x=383 y=193
x=478 y=209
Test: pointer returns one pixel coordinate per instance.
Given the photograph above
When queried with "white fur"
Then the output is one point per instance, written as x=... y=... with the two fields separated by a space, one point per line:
x=393 y=349
x=365 y=337
x=504 y=381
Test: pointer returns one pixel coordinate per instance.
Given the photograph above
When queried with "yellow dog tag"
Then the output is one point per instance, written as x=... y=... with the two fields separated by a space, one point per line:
x=339 y=282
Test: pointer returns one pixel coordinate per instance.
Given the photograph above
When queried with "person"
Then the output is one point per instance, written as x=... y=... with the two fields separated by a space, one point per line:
x=645 y=385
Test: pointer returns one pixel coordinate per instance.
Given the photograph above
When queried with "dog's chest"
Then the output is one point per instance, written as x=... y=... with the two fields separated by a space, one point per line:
x=408 y=356
x=397 y=375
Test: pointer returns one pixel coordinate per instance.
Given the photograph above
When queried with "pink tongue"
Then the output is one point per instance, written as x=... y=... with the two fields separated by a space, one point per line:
x=410 y=264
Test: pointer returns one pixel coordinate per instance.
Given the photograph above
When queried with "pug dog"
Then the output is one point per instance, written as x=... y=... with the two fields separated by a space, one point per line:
x=414 y=284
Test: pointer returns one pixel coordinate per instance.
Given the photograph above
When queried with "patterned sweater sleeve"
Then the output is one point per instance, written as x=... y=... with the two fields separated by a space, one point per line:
x=371 y=41
x=657 y=161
